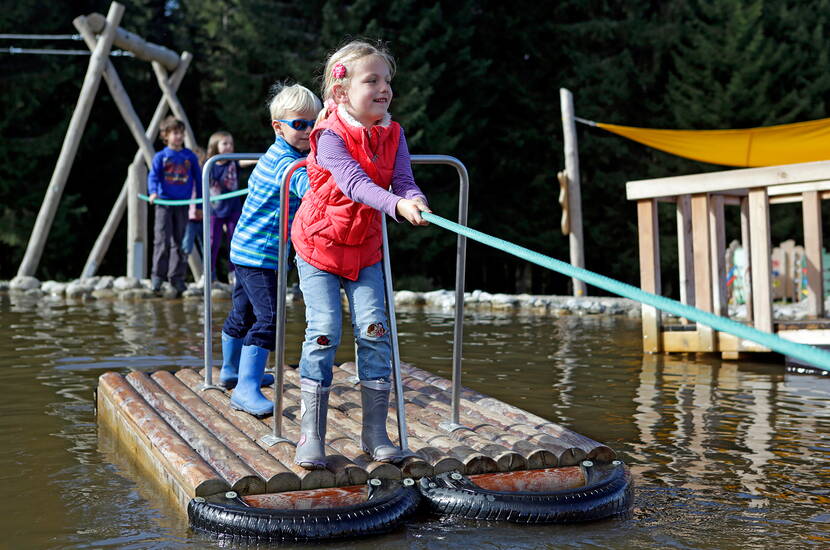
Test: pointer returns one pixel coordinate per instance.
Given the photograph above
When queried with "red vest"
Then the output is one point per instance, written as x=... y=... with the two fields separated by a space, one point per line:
x=331 y=231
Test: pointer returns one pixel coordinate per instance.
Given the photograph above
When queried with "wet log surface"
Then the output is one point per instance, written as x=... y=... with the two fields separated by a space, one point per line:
x=209 y=447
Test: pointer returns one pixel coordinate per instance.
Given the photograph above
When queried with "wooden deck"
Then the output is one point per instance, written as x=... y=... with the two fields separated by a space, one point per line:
x=193 y=444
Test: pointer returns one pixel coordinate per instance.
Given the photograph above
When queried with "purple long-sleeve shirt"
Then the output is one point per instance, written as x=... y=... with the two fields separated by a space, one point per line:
x=353 y=181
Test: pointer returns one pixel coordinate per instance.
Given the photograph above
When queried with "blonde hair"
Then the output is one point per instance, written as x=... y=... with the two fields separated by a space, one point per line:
x=213 y=142
x=200 y=154
x=296 y=98
x=347 y=56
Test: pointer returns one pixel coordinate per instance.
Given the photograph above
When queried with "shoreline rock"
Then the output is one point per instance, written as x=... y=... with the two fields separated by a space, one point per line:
x=131 y=289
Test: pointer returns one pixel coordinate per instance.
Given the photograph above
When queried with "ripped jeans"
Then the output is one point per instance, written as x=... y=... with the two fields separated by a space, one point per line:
x=324 y=318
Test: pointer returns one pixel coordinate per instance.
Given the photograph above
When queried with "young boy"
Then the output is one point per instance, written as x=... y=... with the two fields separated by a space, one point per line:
x=174 y=175
x=250 y=329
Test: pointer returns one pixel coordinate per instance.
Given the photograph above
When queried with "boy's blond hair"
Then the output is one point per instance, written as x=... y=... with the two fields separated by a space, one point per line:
x=296 y=98
x=346 y=56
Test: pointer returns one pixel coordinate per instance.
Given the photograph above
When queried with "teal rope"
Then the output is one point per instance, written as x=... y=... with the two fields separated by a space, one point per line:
x=182 y=202
x=811 y=354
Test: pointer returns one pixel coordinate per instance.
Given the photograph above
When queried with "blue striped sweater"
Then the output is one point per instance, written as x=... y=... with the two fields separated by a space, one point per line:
x=255 y=241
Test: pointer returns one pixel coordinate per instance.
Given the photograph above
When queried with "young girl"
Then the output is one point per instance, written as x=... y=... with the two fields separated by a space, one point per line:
x=249 y=332
x=358 y=169
x=224 y=178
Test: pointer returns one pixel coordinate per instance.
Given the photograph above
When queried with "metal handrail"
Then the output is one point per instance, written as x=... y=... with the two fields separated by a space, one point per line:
x=207 y=276
x=460 y=266
x=461 y=254
x=282 y=289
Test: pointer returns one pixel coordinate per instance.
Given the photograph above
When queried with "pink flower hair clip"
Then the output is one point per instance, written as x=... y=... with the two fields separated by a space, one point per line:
x=338 y=71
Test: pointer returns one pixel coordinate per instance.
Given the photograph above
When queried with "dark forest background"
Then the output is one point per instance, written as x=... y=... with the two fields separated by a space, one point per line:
x=478 y=80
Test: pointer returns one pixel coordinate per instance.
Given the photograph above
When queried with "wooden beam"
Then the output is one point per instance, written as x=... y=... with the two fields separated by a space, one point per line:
x=575 y=237
x=760 y=253
x=102 y=243
x=136 y=45
x=170 y=96
x=813 y=241
x=685 y=258
x=746 y=242
x=43 y=223
x=119 y=94
x=649 y=240
x=717 y=246
x=818 y=172
x=701 y=250
x=137 y=248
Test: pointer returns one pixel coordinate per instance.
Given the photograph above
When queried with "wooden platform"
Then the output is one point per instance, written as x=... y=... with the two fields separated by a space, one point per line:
x=194 y=444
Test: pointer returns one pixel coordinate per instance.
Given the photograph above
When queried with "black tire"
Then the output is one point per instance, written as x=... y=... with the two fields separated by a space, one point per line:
x=388 y=505
x=607 y=492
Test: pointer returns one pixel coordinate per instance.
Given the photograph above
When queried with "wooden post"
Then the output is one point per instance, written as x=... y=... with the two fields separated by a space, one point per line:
x=119 y=94
x=175 y=106
x=703 y=266
x=746 y=244
x=137 y=222
x=717 y=236
x=102 y=243
x=811 y=205
x=685 y=258
x=574 y=193
x=43 y=224
x=760 y=254
x=649 y=238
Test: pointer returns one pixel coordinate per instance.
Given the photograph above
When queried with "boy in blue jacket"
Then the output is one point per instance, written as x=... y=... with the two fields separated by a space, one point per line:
x=250 y=330
x=173 y=175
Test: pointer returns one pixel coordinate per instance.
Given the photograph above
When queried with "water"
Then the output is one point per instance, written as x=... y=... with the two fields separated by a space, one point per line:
x=724 y=455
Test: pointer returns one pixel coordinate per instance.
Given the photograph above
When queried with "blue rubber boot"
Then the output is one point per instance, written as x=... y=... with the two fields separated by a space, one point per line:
x=228 y=376
x=247 y=395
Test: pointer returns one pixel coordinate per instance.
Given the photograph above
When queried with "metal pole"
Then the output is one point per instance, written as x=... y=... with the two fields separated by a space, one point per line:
x=208 y=275
x=460 y=265
x=393 y=327
x=282 y=282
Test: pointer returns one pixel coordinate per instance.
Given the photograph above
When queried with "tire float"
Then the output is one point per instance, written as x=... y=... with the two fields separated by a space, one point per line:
x=298 y=515
x=606 y=492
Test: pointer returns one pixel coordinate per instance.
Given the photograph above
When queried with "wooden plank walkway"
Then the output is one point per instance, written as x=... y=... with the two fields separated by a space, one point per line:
x=194 y=444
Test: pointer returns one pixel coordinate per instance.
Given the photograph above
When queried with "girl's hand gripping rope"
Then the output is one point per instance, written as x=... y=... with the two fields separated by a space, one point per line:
x=411 y=209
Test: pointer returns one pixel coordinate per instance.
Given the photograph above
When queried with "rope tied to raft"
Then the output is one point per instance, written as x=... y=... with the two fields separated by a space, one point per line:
x=811 y=354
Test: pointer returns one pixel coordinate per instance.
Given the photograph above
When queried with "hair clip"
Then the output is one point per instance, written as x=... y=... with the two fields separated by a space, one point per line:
x=338 y=71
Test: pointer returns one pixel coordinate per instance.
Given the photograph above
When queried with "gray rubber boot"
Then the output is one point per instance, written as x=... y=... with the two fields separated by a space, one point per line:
x=314 y=407
x=374 y=396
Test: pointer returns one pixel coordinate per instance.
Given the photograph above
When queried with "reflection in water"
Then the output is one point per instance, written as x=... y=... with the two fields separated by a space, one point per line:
x=725 y=455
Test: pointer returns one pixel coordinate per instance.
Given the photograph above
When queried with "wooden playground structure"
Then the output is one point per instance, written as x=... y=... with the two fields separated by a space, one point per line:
x=100 y=34
x=700 y=201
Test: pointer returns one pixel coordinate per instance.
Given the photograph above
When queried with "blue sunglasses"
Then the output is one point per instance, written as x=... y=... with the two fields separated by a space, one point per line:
x=299 y=124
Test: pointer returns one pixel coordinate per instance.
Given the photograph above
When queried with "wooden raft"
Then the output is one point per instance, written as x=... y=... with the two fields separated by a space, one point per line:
x=194 y=444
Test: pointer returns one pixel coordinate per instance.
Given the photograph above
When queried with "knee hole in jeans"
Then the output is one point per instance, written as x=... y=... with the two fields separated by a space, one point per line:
x=375 y=331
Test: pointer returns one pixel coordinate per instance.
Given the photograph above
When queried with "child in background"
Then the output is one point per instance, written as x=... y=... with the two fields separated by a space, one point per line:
x=224 y=178
x=358 y=169
x=193 y=231
x=249 y=332
x=173 y=175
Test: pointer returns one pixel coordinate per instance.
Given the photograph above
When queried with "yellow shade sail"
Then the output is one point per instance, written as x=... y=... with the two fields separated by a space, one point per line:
x=766 y=146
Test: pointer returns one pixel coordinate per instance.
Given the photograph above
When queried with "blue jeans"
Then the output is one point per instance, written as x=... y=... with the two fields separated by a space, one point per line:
x=254 y=313
x=324 y=314
x=192 y=233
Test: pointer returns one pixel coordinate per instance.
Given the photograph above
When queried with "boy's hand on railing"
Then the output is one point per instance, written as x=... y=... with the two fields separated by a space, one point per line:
x=152 y=198
x=411 y=209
